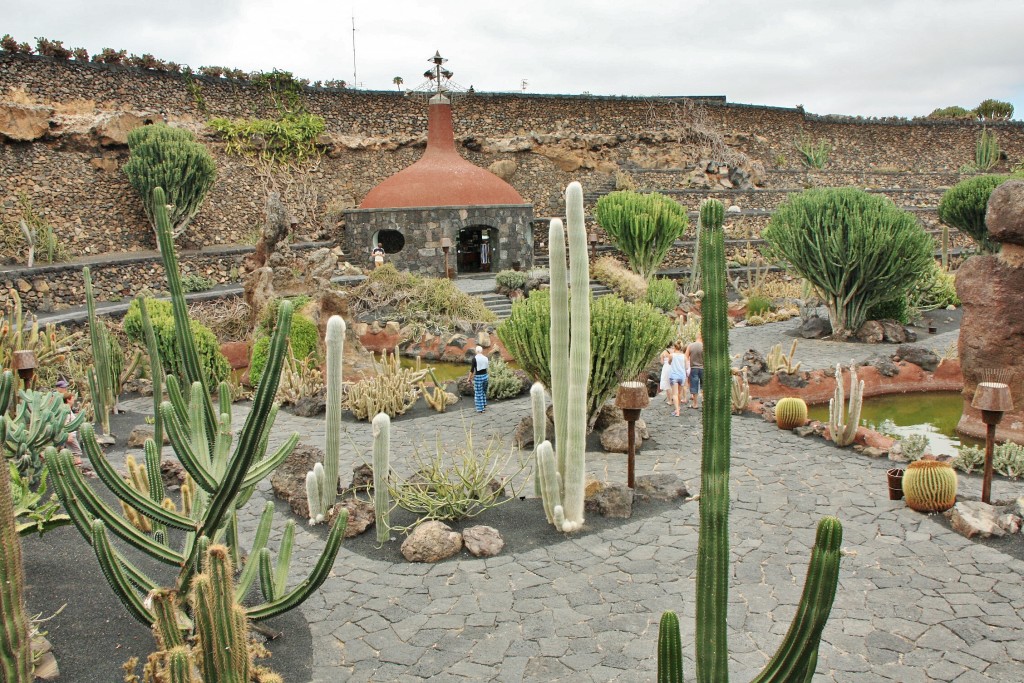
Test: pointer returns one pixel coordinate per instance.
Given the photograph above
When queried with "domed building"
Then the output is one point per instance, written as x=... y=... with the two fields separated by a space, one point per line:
x=444 y=201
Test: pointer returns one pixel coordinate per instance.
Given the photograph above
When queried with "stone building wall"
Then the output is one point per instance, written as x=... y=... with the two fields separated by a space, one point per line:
x=72 y=173
x=422 y=252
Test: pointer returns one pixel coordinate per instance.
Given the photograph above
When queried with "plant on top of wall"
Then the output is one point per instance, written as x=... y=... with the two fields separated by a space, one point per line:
x=642 y=226
x=855 y=248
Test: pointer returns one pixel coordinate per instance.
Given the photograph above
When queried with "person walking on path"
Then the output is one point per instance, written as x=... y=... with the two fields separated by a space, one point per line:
x=378 y=255
x=478 y=371
x=666 y=363
x=677 y=375
x=695 y=356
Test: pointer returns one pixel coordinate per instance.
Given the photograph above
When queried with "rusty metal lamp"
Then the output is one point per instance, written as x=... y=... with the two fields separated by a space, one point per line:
x=446 y=245
x=631 y=398
x=24 y=363
x=592 y=240
x=992 y=399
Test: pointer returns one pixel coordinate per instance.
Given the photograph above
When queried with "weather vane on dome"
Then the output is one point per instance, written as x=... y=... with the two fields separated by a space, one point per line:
x=439 y=79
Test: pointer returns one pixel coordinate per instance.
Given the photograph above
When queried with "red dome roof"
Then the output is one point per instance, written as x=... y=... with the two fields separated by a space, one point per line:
x=441 y=177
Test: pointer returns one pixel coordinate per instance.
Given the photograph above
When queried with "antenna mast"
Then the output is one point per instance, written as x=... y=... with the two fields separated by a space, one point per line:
x=355 y=81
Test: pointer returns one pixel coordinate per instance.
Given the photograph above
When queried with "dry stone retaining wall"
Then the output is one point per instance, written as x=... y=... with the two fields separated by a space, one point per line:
x=73 y=173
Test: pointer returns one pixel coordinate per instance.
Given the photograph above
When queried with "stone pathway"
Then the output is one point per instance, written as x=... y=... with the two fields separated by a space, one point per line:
x=916 y=602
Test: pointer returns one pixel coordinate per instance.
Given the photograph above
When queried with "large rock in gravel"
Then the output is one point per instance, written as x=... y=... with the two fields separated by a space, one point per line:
x=974 y=518
x=483 y=541
x=991 y=289
x=431 y=541
x=661 y=487
x=289 y=479
x=615 y=437
x=360 y=515
x=919 y=356
x=611 y=500
x=815 y=327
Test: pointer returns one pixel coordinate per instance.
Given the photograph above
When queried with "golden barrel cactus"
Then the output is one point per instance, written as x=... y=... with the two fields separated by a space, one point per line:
x=929 y=486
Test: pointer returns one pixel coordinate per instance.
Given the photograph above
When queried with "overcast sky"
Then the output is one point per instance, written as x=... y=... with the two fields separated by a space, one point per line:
x=871 y=57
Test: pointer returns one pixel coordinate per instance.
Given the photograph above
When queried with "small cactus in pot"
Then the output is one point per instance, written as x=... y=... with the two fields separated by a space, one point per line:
x=790 y=413
x=930 y=486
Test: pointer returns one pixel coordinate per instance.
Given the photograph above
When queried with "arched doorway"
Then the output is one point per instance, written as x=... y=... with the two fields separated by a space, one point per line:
x=393 y=241
x=475 y=249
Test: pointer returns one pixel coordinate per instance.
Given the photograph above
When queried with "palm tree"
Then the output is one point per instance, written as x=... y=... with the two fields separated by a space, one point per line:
x=398 y=80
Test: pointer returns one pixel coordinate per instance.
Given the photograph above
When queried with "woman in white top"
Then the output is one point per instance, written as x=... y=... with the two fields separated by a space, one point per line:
x=677 y=376
x=664 y=384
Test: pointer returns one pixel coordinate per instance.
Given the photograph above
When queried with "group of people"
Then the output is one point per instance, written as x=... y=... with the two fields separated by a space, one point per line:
x=682 y=374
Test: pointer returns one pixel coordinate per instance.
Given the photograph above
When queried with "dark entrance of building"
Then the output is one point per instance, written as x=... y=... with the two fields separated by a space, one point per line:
x=475 y=249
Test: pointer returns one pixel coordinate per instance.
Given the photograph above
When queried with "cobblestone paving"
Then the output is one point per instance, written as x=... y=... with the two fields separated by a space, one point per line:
x=916 y=602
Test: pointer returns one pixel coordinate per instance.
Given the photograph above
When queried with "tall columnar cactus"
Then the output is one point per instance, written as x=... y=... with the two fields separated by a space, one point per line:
x=842 y=422
x=540 y=428
x=322 y=487
x=221 y=623
x=98 y=375
x=570 y=365
x=796 y=657
x=986 y=154
x=15 y=645
x=225 y=471
x=381 y=470
x=156 y=372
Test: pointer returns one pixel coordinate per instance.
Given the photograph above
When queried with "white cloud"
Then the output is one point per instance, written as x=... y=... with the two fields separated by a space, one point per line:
x=876 y=57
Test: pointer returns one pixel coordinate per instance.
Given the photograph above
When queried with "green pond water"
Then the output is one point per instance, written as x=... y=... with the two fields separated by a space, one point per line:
x=934 y=414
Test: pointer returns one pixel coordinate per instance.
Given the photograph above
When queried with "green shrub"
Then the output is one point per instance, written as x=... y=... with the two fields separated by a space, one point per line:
x=935 y=289
x=994 y=110
x=642 y=226
x=758 y=304
x=502 y=381
x=855 y=248
x=813 y=153
x=663 y=294
x=963 y=207
x=510 y=279
x=619 y=279
x=435 y=300
x=194 y=282
x=953 y=112
x=170 y=158
x=892 y=309
x=214 y=364
x=624 y=338
x=268 y=318
x=304 y=344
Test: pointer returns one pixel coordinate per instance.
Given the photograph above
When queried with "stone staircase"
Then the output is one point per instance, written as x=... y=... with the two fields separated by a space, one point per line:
x=501 y=305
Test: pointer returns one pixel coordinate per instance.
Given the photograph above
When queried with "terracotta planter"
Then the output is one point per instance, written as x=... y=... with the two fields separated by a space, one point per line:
x=895 y=478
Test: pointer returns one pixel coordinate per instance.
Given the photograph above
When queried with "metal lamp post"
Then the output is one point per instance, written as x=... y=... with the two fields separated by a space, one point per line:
x=992 y=399
x=592 y=239
x=446 y=245
x=631 y=398
x=24 y=363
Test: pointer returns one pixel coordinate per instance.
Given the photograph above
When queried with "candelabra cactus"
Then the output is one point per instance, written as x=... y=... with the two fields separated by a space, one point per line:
x=322 y=484
x=41 y=420
x=15 y=645
x=842 y=422
x=201 y=436
x=796 y=657
x=570 y=368
x=381 y=469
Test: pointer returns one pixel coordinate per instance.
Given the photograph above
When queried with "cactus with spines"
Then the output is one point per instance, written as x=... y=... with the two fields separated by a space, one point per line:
x=15 y=644
x=540 y=428
x=108 y=373
x=322 y=484
x=40 y=421
x=843 y=420
x=381 y=470
x=790 y=413
x=670 y=649
x=929 y=486
x=797 y=655
x=740 y=390
x=156 y=372
x=570 y=367
x=225 y=472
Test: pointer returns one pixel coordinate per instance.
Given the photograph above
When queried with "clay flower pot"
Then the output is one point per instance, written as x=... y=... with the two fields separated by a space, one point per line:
x=895 y=479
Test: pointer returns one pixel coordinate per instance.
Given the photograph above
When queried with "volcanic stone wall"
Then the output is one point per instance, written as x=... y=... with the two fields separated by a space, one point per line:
x=74 y=178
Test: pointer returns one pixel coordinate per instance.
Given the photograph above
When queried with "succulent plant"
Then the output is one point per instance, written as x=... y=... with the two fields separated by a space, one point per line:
x=790 y=413
x=929 y=486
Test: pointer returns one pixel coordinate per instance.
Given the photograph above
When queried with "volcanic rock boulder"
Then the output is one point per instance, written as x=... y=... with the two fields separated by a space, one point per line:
x=991 y=289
